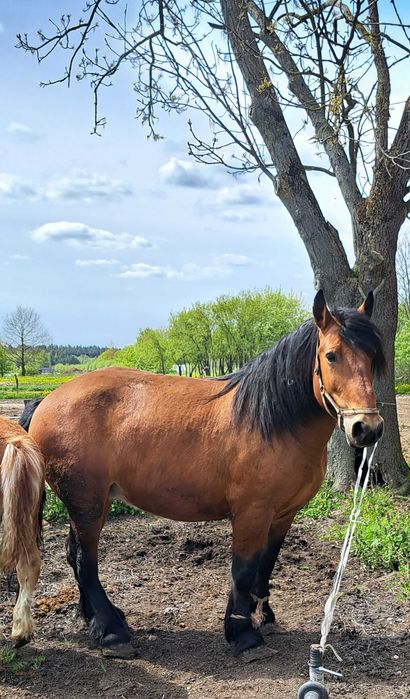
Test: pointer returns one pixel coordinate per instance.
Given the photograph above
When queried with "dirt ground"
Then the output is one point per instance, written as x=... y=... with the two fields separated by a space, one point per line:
x=172 y=581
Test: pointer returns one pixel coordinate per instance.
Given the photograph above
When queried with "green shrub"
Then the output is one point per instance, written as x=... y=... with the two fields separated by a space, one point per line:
x=121 y=508
x=403 y=388
x=54 y=510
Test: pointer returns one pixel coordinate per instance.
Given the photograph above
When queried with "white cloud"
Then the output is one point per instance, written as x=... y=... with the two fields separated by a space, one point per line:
x=79 y=234
x=17 y=256
x=244 y=195
x=140 y=270
x=1 y=27
x=87 y=187
x=185 y=174
x=13 y=187
x=82 y=186
x=189 y=272
x=221 y=267
x=96 y=263
x=21 y=132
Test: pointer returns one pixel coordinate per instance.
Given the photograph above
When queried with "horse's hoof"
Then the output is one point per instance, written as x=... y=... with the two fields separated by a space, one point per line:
x=121 y=650
x=269 y=629
x=259 y=653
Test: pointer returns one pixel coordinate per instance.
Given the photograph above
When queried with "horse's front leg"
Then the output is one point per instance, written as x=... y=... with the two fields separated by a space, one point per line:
x=262 y=614
x=249 y=542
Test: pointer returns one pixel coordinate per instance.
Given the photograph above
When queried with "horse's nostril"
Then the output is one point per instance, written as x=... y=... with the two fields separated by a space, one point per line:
x=364 y=435
x=359 y=430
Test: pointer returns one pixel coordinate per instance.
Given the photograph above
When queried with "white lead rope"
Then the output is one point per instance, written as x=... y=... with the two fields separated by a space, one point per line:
x=344 y=555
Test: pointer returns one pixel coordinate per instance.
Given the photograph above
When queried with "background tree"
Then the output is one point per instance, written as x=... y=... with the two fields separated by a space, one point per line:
x=241 y=63
x=25 y=337
x=191 y=338
x=403 y=275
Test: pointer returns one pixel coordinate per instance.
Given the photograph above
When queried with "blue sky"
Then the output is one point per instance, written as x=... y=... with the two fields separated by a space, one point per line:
x=107 y=235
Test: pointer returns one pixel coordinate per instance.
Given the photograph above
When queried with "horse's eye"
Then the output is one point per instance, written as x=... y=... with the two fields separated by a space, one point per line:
x=331 y=357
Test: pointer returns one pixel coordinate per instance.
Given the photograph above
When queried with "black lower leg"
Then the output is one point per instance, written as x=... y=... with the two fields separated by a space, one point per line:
x=239 y=631
x=106 y=625
x=260 y=589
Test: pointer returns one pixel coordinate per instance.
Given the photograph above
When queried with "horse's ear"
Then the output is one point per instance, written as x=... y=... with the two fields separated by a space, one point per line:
x=367 y=305
x=321 y=312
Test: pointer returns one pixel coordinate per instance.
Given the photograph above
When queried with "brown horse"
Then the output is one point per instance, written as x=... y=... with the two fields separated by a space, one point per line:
x=21 y=494
x=250 y=447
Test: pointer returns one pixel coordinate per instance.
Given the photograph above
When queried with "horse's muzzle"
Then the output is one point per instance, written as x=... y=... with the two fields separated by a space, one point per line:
x=363 y=431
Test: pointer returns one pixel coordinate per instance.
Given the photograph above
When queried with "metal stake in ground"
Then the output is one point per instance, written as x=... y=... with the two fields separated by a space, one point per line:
x=315 y=689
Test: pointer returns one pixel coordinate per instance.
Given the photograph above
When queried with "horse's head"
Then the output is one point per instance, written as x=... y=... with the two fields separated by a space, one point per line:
x=349 y=353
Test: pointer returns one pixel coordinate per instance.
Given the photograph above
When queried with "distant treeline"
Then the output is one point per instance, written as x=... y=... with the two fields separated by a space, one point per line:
x=72 y=354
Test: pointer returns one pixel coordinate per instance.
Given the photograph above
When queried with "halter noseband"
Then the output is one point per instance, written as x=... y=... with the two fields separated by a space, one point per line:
x=341 y=413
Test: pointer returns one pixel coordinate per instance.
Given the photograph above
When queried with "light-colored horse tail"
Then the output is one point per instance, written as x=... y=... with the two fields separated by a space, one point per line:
x=22 y=488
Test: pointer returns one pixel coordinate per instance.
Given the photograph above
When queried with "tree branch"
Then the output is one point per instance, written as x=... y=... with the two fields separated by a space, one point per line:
x=292 y=186
x=383 y=82
x=324 y=132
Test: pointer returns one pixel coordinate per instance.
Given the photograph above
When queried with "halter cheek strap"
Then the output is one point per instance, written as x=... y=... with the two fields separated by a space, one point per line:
x=341 y=413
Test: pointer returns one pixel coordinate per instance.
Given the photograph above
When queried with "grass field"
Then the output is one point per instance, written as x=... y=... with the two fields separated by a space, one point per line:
x=30 y=386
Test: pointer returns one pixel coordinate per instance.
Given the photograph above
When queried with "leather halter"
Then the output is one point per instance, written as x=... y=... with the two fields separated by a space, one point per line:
x=341 y=413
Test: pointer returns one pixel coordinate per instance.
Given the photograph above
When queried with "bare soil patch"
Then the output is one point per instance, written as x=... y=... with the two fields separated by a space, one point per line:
x=172 y=581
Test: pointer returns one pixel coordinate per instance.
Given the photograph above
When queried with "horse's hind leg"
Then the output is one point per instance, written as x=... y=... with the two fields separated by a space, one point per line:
x=28 y=570
x=72 y=548
x=106 y=624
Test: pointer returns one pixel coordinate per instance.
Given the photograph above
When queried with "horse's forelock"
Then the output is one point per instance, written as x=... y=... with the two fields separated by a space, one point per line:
x=357 y=330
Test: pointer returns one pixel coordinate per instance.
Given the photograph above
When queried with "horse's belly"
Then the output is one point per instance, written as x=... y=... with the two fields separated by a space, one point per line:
x=181 y=503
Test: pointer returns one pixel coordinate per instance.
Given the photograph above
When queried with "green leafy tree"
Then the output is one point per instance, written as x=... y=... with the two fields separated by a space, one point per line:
x=190 y=337
x=219 y=337
x=150 y=352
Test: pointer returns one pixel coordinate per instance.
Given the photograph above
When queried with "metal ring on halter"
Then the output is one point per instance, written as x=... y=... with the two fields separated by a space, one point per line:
x=340 y=412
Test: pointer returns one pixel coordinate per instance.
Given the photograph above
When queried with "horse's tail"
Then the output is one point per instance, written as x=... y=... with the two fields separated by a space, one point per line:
x=22 y=488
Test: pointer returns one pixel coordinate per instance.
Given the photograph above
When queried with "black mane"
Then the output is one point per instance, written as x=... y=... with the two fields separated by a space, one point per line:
x=275 y=391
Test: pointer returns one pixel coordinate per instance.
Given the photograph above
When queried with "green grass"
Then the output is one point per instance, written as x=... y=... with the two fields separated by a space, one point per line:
x=322 y=505
x=55 y=511
x=382 y=536
x=11 y=662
